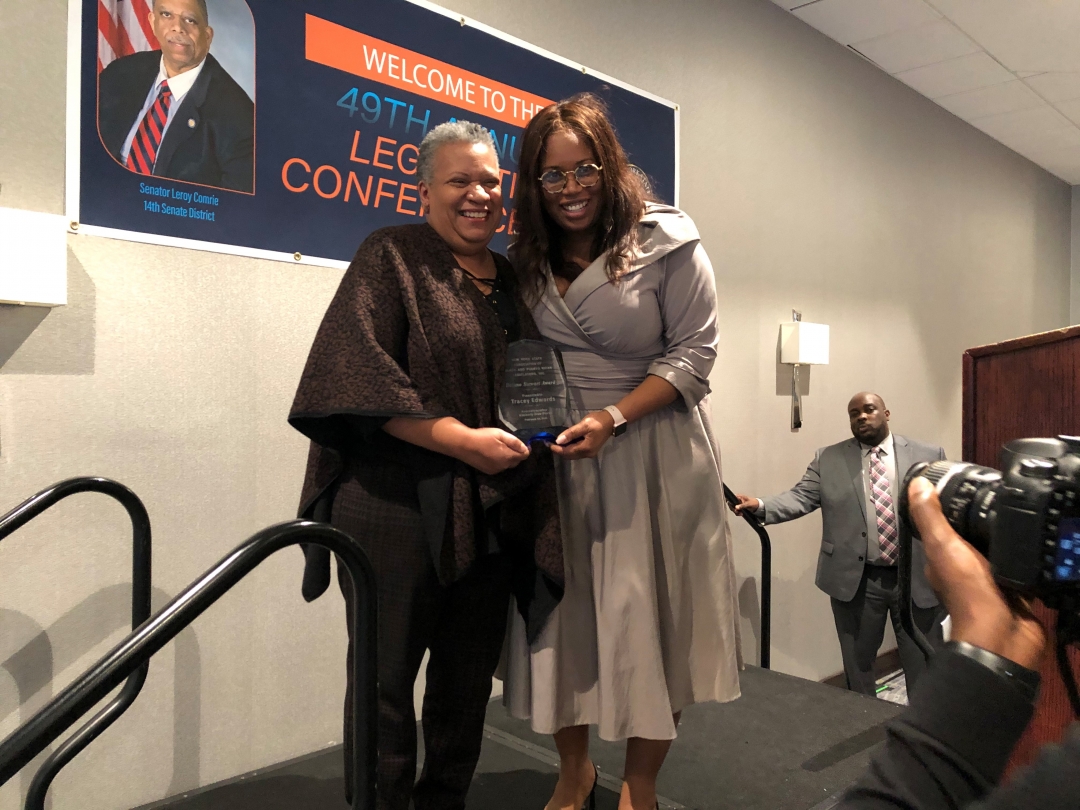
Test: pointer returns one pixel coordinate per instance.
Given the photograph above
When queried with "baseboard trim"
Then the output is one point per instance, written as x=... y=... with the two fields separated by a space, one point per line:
x=886 y=662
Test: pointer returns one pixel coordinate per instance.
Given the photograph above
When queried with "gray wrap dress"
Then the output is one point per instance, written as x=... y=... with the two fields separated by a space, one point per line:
x=648 y=621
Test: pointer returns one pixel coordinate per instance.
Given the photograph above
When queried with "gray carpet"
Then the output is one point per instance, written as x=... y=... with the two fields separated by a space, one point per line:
x=787 y=744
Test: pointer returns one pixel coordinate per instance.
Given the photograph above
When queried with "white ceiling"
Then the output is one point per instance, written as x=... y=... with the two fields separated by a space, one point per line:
x=1009 y=67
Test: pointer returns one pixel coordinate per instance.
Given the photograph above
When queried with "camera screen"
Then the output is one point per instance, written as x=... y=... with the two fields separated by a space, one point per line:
x=1067 y=563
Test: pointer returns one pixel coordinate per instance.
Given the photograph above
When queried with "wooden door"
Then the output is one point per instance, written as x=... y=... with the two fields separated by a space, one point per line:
x=1020 y=388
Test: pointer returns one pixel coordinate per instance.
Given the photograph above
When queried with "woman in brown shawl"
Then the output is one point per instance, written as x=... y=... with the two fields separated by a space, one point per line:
x=399 y=399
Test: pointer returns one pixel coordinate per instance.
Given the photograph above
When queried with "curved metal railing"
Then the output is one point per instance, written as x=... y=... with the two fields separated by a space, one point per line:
x=903 y=566
x=766 y=576
x=140 y=612
x=133 y=652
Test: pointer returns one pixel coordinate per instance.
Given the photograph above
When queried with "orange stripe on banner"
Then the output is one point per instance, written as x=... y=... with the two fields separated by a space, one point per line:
x=342 y=48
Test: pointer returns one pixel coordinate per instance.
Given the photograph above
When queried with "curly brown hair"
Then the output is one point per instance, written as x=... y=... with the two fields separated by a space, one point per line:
x=539 y=238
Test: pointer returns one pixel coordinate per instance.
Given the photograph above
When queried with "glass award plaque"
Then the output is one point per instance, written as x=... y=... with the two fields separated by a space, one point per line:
x=534 y=403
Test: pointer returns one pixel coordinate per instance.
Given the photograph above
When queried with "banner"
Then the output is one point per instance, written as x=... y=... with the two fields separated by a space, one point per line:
x=290 y=129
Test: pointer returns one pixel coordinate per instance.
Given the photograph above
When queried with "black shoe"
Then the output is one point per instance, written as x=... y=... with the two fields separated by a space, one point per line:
x=590 y=800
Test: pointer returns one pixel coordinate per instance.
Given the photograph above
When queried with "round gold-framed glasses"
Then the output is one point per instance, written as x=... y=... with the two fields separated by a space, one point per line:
x=554 y=180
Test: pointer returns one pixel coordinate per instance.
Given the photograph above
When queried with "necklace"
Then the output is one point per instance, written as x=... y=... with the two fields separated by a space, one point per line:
x=491 y=283
x=495 y=298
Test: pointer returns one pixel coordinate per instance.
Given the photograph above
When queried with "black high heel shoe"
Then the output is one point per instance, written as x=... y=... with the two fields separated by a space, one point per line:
x=590 y=800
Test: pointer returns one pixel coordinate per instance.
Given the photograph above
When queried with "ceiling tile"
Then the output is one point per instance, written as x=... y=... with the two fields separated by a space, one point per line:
x=1036 y=35
x=933 y=42
x=849 y=21
x=993 y=100
x=956 y=76
x=1042 y=128
x=1056 y=87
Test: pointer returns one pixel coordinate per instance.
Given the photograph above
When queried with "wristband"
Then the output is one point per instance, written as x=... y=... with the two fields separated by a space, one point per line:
x=619 y=428
x=1024 y=680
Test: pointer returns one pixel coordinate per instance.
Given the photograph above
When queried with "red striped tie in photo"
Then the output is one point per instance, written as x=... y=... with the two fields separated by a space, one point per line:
x=144 y=146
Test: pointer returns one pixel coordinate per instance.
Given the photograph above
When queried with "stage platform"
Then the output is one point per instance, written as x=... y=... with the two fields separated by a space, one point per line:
x=786 y=744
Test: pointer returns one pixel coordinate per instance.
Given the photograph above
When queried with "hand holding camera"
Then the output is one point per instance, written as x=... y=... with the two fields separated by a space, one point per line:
x=981 y=613
x=1025 y=521
x=993 y=539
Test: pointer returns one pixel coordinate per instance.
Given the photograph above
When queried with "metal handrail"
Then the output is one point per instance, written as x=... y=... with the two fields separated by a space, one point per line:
x=903 y=565
x=32 y=737
x=766 y=575
x=140 y=612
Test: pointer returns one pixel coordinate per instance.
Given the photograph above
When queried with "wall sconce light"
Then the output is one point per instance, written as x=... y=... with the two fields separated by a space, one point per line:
x=802 y=344
x=34 y=269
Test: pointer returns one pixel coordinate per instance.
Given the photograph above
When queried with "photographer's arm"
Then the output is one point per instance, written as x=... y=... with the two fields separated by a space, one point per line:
x=1051 y=782
x=950 y=748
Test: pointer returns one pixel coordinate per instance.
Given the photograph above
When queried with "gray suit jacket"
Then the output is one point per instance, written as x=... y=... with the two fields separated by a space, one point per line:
x=833 y=482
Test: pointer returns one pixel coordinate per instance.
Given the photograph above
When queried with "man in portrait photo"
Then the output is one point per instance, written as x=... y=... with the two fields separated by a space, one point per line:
x=177 y=113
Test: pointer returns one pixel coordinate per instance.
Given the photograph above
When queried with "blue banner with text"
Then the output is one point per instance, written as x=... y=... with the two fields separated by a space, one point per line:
x=293 y=129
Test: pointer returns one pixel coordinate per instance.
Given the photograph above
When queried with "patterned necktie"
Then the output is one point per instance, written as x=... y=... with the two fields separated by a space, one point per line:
x=144 y=146
x=883 y=509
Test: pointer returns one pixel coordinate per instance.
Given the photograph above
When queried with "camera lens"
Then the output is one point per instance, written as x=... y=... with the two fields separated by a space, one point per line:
x=967 y=493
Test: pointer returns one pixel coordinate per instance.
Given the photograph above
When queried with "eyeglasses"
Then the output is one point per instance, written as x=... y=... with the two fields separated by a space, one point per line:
x=554 y=180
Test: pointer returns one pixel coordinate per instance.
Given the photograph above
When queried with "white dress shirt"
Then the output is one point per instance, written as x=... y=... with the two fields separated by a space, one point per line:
x=179 y=85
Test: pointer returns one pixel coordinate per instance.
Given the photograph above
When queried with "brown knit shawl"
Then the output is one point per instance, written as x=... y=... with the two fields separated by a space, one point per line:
x=407 y=334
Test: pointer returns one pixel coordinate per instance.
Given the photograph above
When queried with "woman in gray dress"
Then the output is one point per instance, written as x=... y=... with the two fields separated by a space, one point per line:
x=647 y=624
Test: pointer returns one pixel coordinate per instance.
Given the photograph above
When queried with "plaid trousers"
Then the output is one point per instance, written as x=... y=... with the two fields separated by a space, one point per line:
x=462 y=624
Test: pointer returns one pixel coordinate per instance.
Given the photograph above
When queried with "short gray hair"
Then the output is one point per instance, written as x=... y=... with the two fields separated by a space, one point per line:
x=443 y=134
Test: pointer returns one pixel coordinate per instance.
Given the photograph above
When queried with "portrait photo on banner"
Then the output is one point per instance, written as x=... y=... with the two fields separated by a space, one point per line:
x=176 y=137
x=176 y=89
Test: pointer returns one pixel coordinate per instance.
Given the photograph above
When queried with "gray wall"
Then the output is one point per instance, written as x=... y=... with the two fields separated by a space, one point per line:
x=818 y=183
x=234 y=40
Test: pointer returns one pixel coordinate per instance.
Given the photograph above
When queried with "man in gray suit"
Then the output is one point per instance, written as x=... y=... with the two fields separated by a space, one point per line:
x=856 y=484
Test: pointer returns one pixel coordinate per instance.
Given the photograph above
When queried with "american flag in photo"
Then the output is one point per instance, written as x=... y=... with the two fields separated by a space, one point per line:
x=123 y=29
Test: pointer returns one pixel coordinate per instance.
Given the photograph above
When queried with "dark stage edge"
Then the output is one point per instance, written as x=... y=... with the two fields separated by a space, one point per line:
x=786 y=744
